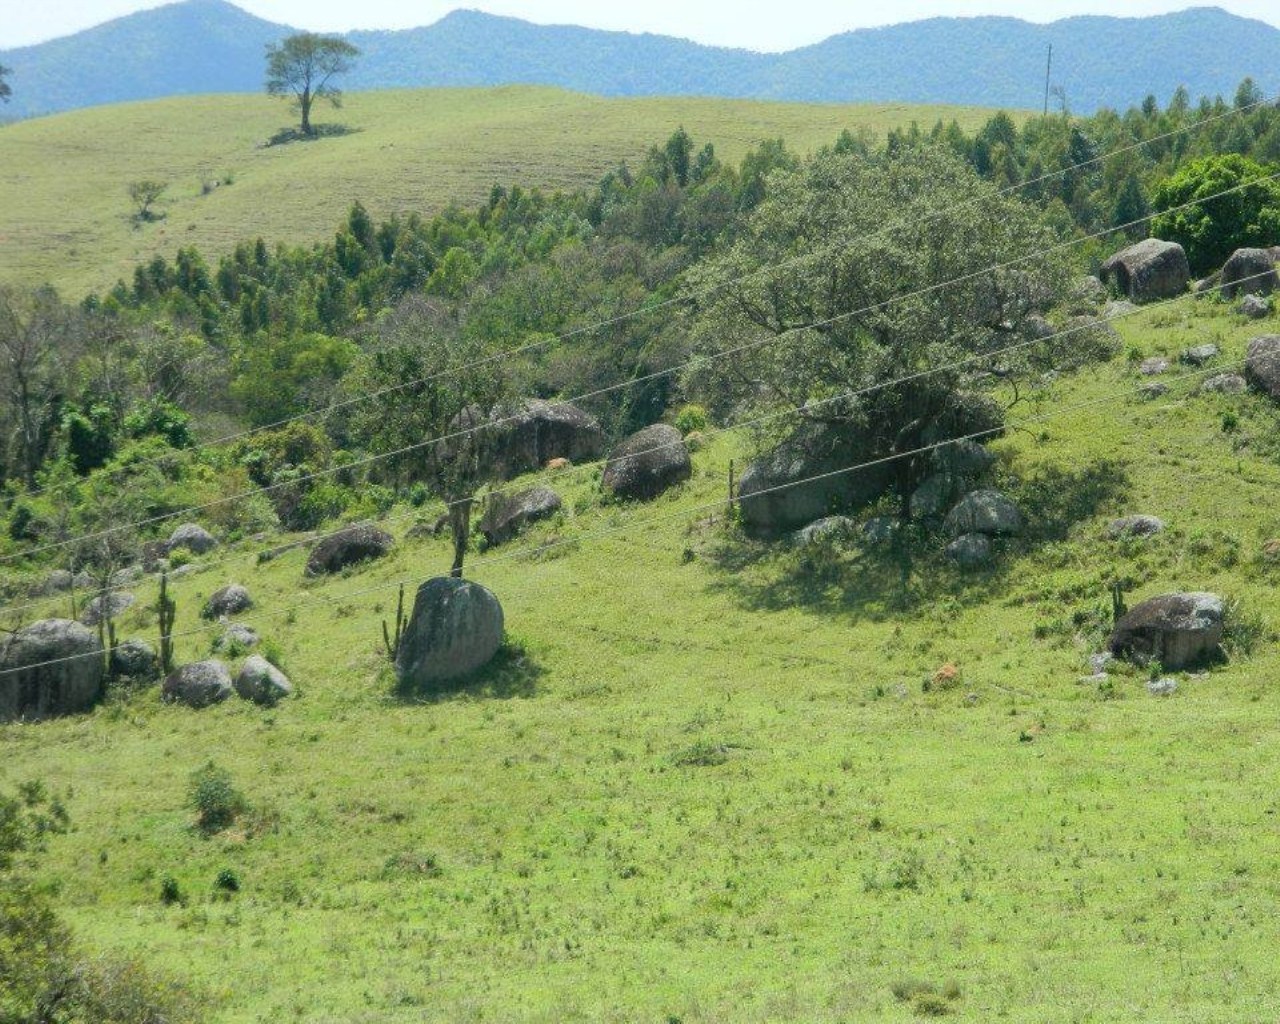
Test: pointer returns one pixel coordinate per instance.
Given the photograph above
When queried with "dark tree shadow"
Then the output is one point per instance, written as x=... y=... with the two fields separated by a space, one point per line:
x=319 y=131
x=911 y=576
x=512 y=673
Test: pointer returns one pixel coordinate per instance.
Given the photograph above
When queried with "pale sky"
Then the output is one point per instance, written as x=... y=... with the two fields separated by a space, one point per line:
x=780 y=25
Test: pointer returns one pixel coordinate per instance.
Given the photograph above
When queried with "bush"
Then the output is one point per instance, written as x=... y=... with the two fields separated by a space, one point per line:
x=170 y=891
x=215 y=798
x=691 y=418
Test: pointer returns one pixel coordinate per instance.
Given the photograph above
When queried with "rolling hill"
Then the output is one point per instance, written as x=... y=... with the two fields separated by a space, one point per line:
x=212 y=46
x=65 y=216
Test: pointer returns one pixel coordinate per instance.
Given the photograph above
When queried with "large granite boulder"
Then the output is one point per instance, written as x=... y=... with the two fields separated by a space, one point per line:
x=505 y=515
x=198 y=685
x=107 y=606
x=1149 y=270
x=1249 y=272
x=987 y=512
x=1175 y=630
x=970 y=550
x=229 y=600
x=52 y=667
x=455 y=629
x=261 y=682
x=193 y=537
x=1262 y=364
x=806 y=478
x=351 y=546
x=529 y=435
x=647 y=463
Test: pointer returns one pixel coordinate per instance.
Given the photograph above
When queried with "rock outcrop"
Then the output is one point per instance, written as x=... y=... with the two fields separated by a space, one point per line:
x=533 y=433
x=506 y=515
x=198 y=685
x=52 y=667
x=360 y=543
x=1175 y=630
x=1249 y=272
x=647 y=463
x=261 y=682
x=455 y=629
x=1149 y=270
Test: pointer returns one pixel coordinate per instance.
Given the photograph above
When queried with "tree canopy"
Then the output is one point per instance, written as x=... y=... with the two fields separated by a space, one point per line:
x=304 y=66
x=5 y=90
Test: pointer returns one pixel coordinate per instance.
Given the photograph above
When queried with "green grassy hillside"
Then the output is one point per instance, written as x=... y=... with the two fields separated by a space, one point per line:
x=65 y=215
x=713 y=787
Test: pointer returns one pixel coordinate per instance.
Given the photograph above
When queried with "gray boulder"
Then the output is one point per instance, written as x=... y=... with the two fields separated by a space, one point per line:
x=825 y=531
x=1249 y=272
x=455 y=629
x=1153 y=367
x=1118 y=309
x=1225 y=384
x=198 y=685
x=934 y=496
x=1148 y=270
x=52 y=667
x=506 y=515
x=1262 y=364
x=1156 y=389
x=985 y=511
x=1255 y=307
x=1175 y=630
x=647 y=463
x=970 y=550
x=261 y=682
x=193 y=537
x=1135 y=526
x=1165 y=687
x=107 y=606
x=134 y=659
x=803 y=479
x=351 y=546
x=1200 y=355
x=879 y=531
x=963 y=459
x=237 y=638
x=528 y=435
x=229 y=600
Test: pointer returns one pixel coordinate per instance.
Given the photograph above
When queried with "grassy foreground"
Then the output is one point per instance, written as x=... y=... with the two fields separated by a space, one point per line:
x=66 y=218
x=713 y=788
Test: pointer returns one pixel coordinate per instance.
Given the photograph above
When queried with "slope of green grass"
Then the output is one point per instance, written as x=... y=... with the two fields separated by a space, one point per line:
x=65 y=215
x=713 y=787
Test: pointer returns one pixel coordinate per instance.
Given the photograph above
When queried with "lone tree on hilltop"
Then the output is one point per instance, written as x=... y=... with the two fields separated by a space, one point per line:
x=5 y=91
x=303 y=66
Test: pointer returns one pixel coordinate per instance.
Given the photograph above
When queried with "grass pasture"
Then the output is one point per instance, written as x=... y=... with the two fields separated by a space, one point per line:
x=66 y=218
x=711 y=784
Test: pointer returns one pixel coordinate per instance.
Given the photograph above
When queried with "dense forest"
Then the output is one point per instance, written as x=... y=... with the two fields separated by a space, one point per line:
x=272 y=348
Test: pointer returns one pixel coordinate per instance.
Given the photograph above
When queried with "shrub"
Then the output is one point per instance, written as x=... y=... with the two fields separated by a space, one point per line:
x=691 y=418
x=215 y=798
x=170 y=891
x=227 y=881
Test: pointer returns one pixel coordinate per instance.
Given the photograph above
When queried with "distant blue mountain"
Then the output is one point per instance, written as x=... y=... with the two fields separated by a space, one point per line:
x=201 y=46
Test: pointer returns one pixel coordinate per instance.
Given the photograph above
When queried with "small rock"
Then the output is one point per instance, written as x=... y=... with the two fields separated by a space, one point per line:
x=1154 y=366
x=825 y=531
x=1254 y=307
x=1156 y=389
x=1162 y=687
x=985 y=511
x=1199 y=355
x=1118 y=309
x=1098 y=662
x=970 y=551
x=507 y=515
x=198 y=685
x=230 y=600
x=1225 y=384
x=134 y=659
x=193 y=537
x=1135 y=526
x=106 y=605
x=261 y=682
x=237 y=638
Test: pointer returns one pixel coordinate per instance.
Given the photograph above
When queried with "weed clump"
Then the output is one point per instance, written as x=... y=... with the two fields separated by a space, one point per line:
x=215 y=799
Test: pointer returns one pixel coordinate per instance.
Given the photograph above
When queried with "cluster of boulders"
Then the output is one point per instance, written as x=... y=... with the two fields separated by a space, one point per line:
x=1152 y=269
x=202 y=684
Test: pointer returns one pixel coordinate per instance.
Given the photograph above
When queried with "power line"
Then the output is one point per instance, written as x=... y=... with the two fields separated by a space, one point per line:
x=847 y=395
x=736 y=350
x=680 y=513
x=683 y=298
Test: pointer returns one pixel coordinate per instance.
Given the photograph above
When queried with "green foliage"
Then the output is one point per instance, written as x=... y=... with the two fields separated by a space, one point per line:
x=212 y=793
x=161 y=419
x=1212 y=230
x=691 y=419
x=304 y=66
x=144 y=195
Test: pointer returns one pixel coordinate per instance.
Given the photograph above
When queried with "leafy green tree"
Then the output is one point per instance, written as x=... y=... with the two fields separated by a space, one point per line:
x=5 y=90
x=1211 y=230
x=836 y=284
x=145 y=194
x=459 y=383
x=304 y=66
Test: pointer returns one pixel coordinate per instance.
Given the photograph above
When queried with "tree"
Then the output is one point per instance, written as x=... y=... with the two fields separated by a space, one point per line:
x=855 y=274
x=145 y=194
x=5 y=91
x=460 y=384
x=303 y=66
x=1210 y=231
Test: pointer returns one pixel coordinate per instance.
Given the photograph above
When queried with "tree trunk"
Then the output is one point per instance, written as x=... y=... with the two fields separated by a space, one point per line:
x=460 y=528
x=305 y=103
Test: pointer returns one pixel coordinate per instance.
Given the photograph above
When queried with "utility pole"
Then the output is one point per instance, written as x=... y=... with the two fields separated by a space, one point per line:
x=1048 y=67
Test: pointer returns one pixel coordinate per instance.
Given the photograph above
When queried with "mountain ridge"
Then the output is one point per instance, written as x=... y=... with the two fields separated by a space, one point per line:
x=204 y=46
